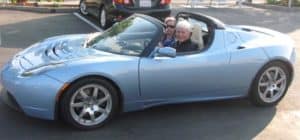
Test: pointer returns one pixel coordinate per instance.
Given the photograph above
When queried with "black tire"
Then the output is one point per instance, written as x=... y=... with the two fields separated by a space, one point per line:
x=81 y=9
x=65 y=103
x=103 y=24
x=255 y=97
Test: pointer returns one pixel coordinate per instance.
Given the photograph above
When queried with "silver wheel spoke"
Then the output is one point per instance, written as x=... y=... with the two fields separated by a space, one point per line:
x=264 y=84
x=280 y=80
x=269 y=76
x=276 y=74
x=265 y=92
x=271 y=93
x=82 y=113
x=92 y=115
x=95 y=92
x=101 y=110
x=80 y=104
x=83 y=94
x=102 y=100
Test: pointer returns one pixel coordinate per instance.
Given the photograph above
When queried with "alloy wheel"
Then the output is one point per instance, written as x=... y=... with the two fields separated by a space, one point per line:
x=83 y=8
x=272 y=84
x=91 y=105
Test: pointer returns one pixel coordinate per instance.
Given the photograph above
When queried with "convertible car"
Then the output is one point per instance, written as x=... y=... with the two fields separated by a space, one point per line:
x=86 y=79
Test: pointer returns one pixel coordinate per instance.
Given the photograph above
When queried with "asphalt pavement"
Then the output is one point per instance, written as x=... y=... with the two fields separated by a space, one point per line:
x=231 y=119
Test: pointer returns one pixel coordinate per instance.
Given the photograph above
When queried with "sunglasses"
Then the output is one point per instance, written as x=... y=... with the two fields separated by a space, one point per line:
x=170 y=26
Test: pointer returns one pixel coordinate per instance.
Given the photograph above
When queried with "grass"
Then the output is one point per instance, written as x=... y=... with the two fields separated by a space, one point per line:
x=284 y=2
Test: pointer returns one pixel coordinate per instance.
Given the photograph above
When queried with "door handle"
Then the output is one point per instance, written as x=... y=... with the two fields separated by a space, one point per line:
x=241 y=47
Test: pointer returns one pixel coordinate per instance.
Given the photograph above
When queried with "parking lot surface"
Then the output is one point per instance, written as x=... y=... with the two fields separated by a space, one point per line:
x=233 y=119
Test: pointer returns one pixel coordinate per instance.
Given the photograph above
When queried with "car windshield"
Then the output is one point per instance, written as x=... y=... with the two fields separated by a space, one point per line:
x=129 y=37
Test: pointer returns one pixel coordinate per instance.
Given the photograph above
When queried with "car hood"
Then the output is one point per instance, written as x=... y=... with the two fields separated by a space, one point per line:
x=55 y=50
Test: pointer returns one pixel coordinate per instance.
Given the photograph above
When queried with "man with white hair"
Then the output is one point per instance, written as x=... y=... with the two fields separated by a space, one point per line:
x=183 y=36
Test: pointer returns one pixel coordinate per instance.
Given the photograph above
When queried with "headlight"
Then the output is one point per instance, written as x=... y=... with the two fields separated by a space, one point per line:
x=41 y=69
x=31 y=47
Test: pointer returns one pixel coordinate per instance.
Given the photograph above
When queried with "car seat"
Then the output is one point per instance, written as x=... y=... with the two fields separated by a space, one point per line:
x=197 y=36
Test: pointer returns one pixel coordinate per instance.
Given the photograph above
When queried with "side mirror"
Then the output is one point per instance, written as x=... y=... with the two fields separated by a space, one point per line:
x=166 y=51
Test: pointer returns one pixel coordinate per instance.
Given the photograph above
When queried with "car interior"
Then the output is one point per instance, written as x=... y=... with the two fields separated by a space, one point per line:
x=201 y=32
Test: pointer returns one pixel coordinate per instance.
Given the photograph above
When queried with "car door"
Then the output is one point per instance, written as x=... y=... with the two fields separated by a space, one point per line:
x=195 y=76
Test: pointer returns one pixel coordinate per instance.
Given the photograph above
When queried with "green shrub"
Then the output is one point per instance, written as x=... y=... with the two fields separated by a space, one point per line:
x=13 y=1
x=284 y=2
x=296 y=3
x=274 y=1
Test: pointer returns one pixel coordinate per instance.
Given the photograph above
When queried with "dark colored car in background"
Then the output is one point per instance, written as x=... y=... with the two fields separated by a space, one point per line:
x=110 y=11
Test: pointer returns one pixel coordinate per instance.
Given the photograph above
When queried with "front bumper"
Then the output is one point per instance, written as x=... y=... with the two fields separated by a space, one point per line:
x=121 y=11
x=35 y=95
x=9 y=100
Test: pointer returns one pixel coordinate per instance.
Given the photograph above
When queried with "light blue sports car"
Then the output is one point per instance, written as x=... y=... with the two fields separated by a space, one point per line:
x=87 y=79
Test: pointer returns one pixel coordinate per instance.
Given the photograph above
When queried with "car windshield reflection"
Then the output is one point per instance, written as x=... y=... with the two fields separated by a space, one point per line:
x=129 y=37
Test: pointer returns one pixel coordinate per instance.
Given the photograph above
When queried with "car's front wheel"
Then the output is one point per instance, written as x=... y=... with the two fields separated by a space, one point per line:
x=270 y=84
x=82 y=8
x=89 y=103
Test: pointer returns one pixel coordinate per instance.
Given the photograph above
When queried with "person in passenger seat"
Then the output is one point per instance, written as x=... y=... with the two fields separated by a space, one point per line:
x=168 y=40
x=183 y=36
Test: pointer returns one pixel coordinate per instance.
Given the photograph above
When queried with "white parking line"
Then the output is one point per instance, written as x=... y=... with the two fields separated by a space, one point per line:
x=88 y=22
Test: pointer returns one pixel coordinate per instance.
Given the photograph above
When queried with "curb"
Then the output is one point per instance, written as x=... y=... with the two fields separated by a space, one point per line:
x=40 y=9
x=273 y=7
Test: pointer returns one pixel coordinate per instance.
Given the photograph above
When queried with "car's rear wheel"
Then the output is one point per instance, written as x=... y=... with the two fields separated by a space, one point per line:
x=89 y=103
x=103 y=19
x=270 y=84
x=82 y=8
